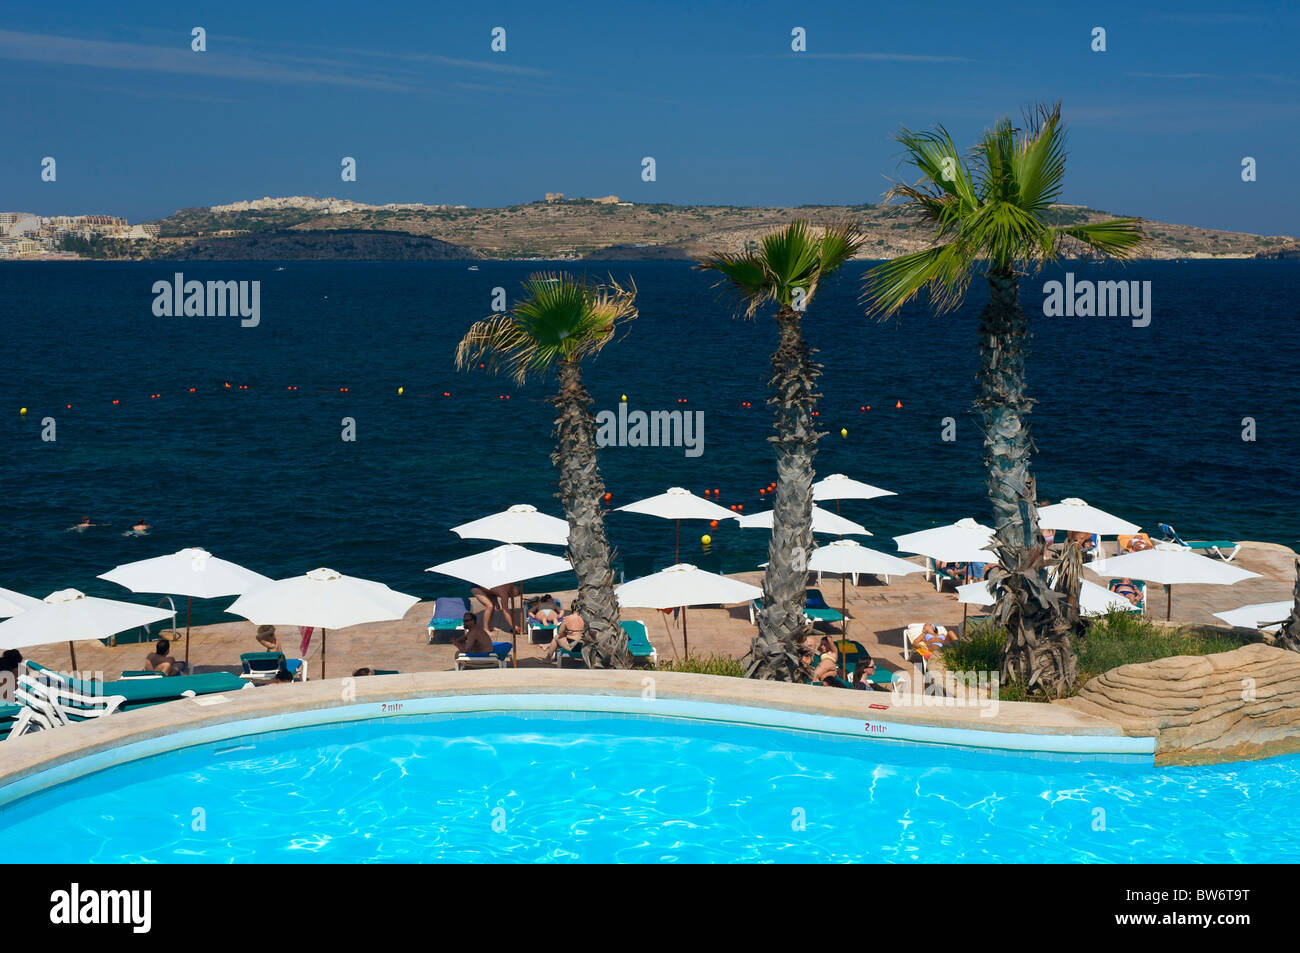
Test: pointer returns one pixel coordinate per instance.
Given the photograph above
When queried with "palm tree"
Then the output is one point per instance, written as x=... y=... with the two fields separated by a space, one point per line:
x=992 y=210
x=561 y=322
x=785 y=271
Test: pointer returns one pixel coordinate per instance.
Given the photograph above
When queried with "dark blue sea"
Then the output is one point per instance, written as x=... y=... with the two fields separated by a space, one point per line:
x=1146 y=422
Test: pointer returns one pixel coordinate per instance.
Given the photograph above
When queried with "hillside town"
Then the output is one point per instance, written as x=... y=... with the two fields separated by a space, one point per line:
x=28 y=236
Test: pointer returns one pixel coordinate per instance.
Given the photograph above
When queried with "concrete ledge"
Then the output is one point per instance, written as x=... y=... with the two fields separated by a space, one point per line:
x=51 y=757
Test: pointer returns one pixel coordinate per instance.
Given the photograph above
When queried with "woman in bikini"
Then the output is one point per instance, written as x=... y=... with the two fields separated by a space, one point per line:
x=568 y=636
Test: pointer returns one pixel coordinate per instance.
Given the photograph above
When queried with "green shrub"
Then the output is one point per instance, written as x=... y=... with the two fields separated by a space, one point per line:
x=980 y=650
x=704 y=665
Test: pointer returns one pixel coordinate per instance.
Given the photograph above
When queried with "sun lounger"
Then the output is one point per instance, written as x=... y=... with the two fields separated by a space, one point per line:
x=499 y=657
x=638 y=641
x=142 y=692
x=851 y=653
x=1225 y=549
x=815 y=609
x=950 y=573
x=142 y=673
x=539 y=634
x=573 y=655
x=1141 y=587
x=14 y=720
x=448 y=620
x=262 y=666
x=60 y=704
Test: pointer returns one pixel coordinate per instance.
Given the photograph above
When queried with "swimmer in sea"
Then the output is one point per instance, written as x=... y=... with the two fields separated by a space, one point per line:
x=140 y=527
x=84 y=525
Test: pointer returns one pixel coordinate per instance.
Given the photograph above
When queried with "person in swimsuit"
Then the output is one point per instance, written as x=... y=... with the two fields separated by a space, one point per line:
x=159 y=661
x=930 y=638
x=476 y=639
x=1129 y=590
x=568 y=636
x=866 y=668
x=497 y=599
x=545 y=612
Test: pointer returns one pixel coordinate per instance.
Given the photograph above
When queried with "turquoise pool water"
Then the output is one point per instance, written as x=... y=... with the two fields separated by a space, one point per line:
x=556 y=787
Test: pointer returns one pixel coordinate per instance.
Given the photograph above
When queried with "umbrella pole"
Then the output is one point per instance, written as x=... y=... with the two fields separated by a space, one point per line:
x=677 y=547
x=844 y=611
x=73 y=652
x=686 y=639
x=671 y=640
x=1169 y=602
x=189 y=614
x=322 y=653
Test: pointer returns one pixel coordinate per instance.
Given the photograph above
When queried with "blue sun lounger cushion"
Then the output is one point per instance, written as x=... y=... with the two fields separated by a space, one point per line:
x=448 y=617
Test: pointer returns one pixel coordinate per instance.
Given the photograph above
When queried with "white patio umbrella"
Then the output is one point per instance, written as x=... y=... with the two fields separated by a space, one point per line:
x=1169 y=566
x=194 y=573
x=848 y=556
x=1075 y=516
x=965 y=541
x=322 y=599
x=838 y=487
x=1093 y=599
x=678 y=504
x=684 y=585
x=1267 y=616
x=518 y=524
x=69 y=615
x=12 y=603
x=823 y=521
x=497 y=567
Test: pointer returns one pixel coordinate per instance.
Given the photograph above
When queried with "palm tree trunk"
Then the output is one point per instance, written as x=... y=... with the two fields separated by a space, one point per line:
x=774 y=653
x=582 y=491
x=1038 y=650
x=1288 y=637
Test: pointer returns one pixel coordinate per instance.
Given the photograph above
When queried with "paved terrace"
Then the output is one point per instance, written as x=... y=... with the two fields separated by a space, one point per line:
x=877 y=614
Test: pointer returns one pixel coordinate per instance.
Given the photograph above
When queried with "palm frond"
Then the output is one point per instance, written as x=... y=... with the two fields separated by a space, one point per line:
x=1116 y=237
x=561 y=318
x=943 y=271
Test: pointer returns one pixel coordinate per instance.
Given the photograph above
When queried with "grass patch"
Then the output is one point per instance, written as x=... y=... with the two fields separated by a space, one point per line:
x=1119 y=638
x=1123 y=638
x=704 y=665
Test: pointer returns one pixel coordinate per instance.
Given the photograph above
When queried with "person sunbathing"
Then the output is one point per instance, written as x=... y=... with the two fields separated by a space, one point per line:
x=545 y=612
x=1129 y=590
x=1137 y=544
x=497 y=599
x=828 y=658
x=476 y=640
x=568 y=636
x=159 y=661
x=932 y=637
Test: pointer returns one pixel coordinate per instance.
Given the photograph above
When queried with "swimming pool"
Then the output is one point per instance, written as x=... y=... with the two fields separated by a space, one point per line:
x=553 y=786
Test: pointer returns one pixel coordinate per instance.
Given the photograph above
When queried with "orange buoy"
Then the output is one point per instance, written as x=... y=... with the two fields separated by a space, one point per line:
x=713 y=524
x=899 y=405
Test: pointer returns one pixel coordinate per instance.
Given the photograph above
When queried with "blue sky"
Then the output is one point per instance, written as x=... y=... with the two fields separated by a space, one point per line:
x=140 y=125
